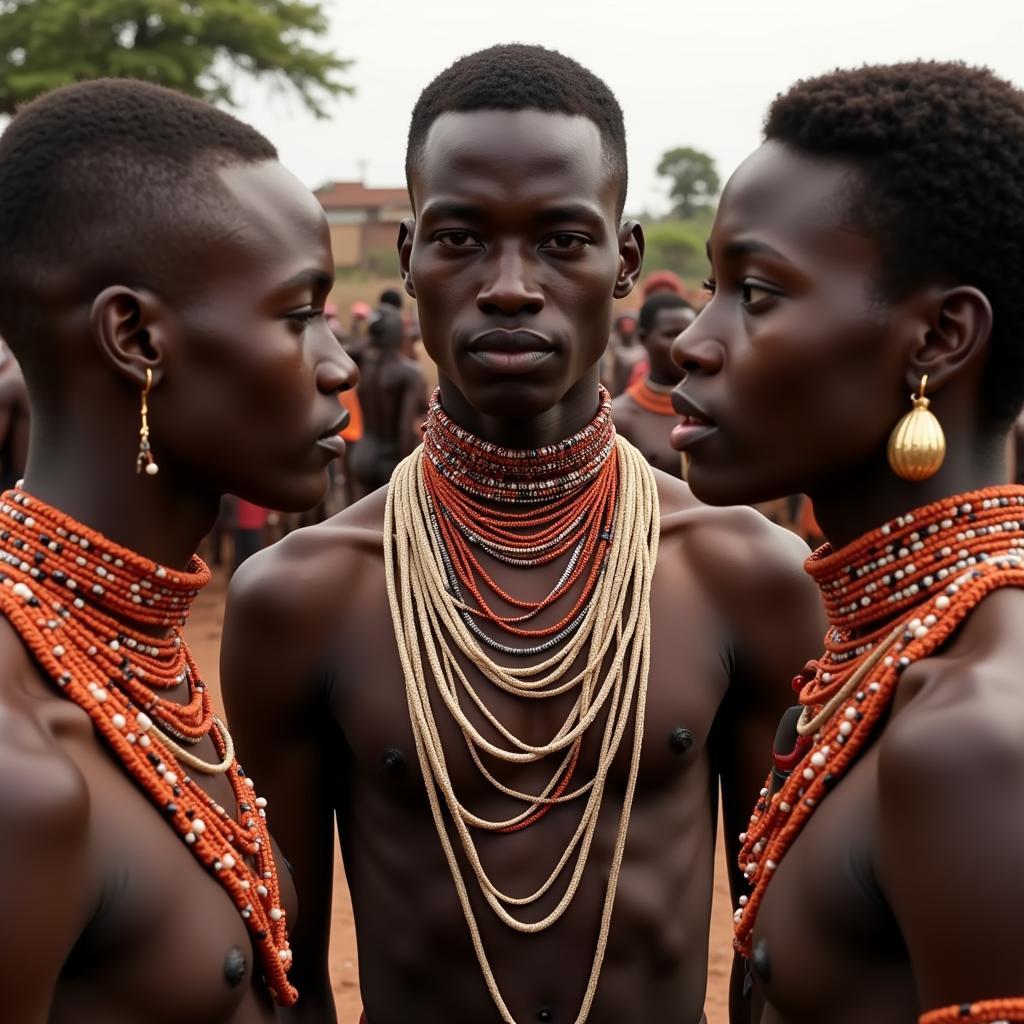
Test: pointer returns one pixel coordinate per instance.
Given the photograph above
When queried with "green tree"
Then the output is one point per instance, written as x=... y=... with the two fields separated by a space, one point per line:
x=693 y=177
x=194 y=46
x=677 y=246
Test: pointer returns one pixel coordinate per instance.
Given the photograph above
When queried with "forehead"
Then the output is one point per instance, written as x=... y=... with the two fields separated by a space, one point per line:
x=795 y=203
x=272 y=219
x=513 y=157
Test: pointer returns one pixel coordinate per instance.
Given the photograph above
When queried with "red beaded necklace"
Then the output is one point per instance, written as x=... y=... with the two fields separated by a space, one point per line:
x=80 y=604
x=648 y=396
x=569 y=491
x=576 y=479
x=893 y=597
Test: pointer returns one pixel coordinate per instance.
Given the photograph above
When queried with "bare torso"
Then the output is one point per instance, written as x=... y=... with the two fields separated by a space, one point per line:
x=416 y=959
x=839 y=906
x=148 y=934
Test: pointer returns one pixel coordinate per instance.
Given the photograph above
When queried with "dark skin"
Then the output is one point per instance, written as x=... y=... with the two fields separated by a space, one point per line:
x=134 y=927
x=14 y=419
x=517 y=230
x=393 y=397
x=905 y=880
x=649 y=431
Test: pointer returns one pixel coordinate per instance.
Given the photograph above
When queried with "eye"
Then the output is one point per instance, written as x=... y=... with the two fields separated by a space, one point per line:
x=457 y=240
x=708 y=286
x=301 y=318
x=754 y=293
x=565 y=241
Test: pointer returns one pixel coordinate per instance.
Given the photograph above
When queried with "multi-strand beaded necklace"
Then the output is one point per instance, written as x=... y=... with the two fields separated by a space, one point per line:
x=892 y=597
x=656 y=398
x=590 y=499
x=82 y=606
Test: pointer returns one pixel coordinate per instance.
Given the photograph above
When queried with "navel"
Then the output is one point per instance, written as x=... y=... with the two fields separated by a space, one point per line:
x=235 y=967
x=394 y=761
x=680 y=740
x=545 y=1014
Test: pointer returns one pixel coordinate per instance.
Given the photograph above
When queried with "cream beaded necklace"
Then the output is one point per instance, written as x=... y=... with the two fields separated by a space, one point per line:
x=616 y=625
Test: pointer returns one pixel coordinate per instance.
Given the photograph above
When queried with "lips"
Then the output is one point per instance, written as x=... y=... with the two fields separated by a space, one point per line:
x=511 y=353
x=694 y=423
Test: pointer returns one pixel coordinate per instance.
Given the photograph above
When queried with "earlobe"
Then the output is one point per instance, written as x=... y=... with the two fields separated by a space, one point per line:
x=631 y=258
x=406 y=234
x=128 y=327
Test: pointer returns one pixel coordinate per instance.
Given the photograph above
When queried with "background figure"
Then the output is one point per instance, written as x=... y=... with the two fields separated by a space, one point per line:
x=644 y=414
x=249 y=531
x=393 y=396
x=14 y=419
x=622 y=355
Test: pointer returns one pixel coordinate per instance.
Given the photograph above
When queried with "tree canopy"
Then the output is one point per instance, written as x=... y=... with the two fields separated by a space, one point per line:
x=693 y=177
x=196 y=47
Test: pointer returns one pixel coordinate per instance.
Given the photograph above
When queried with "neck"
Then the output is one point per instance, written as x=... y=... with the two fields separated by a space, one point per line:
x=882 y=496
x=158 y=516
x=572 y=413
x=662 y=378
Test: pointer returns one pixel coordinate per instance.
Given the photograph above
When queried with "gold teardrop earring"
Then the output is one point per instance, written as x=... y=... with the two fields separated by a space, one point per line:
x=917 y=446
x=145 y=459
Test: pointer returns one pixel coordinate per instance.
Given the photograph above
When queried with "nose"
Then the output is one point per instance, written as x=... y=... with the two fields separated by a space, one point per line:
x=335 y=369
x=694 y=351
x=510 y=288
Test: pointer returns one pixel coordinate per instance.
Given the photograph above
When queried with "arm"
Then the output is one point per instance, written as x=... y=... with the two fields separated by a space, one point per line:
x=44 y=895
x=777 y=623
x=951 y=833
x=275 y=700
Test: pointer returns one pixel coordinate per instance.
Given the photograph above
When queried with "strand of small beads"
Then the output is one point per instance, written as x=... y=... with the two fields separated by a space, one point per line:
x=988 y=1011
x=650 y=397
x=81 y=604
x=892 y=597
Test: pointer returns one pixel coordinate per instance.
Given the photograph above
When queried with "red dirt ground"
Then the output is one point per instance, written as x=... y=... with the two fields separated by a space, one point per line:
x=204 y=638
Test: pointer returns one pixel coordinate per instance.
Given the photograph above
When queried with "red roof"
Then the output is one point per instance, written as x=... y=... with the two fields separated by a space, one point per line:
x=348 y=195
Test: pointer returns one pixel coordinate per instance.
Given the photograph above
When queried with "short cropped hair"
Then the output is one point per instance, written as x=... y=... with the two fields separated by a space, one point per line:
x=656 y=303
x=519 y=77
x=939 y=153
x=107 y=177
x=390 y=297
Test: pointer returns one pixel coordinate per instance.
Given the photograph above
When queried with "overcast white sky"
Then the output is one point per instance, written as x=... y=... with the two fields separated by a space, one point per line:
x=698 y=74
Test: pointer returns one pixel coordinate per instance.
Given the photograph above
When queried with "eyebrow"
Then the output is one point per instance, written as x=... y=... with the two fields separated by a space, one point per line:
x=313 y=277
x=442 y=208
x=748 y=247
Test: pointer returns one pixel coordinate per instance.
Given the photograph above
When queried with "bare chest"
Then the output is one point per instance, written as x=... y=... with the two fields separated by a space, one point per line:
x=824 y=920
x=165 y=938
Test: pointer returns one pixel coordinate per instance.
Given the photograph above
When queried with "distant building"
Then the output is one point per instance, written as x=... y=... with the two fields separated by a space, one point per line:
x=364 y=223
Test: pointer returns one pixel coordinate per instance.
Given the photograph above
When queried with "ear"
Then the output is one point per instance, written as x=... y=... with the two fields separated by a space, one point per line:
x=958 y=329
x=130 y=329
x=406 y=233
x=631 y=257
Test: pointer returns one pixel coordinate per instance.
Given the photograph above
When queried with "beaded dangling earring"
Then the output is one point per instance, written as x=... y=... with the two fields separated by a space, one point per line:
x=917 y=446
x=145 y=459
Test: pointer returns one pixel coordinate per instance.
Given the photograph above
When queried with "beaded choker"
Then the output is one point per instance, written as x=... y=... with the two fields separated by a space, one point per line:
x=893 y=597
x=652 y=397
x=517 y=475
x=81 y=603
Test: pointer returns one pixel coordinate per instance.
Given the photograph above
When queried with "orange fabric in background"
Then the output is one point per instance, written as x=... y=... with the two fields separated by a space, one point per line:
x=350 y=400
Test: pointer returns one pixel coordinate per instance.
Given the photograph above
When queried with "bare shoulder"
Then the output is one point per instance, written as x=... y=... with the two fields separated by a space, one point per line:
x=735 y=545
x=286 y=604
x=950 y=787
x=44 y=798
x=960 y=723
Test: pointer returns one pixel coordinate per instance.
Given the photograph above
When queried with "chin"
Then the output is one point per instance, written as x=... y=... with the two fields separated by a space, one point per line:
x=512 y=397
x=298 y=494
x=713 y=486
